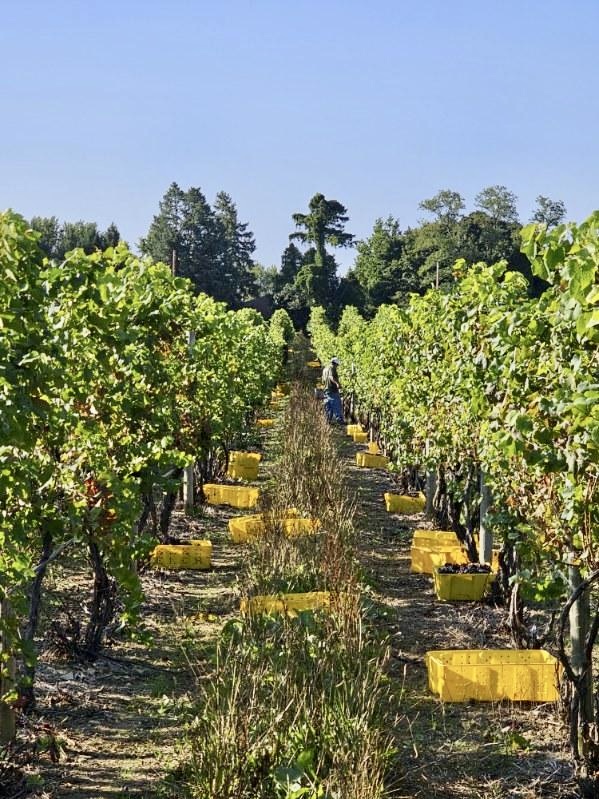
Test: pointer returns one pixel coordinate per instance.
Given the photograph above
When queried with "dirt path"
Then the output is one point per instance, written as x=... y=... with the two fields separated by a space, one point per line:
x=117 y=723
x=474 y=750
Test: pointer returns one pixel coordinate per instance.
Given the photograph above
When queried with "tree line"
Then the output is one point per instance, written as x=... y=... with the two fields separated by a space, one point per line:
x=211 y=246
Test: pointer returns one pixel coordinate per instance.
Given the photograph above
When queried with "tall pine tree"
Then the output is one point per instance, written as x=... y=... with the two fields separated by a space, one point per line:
x=238 y=248
x=210 y=246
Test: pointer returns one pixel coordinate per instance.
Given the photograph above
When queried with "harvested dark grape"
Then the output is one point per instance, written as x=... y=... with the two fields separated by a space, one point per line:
x=465 y=568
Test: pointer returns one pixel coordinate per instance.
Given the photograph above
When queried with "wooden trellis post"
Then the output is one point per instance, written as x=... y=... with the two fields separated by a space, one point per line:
x=582 y=665
x=431 y=485
x=485 y=548
x=188 y=485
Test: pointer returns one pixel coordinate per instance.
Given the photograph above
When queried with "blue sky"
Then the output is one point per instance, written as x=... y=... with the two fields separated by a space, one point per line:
x=378 y=105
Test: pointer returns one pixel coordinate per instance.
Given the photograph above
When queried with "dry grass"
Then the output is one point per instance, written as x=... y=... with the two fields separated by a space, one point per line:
x=298 y=706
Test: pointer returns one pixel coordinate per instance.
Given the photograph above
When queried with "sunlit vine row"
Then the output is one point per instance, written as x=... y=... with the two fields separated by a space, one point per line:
x=485 y=375
x=102 y=400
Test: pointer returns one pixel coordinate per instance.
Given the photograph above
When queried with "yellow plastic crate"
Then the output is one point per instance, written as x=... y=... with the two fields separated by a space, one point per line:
x=368 y=461
x=197 y=554
x=264 y=423
x=245 y=458
x=461 y=587
x=523 y=675
x=350 y=429
x=241 y=472
x=236 y=496
x=295 y=528
x=403 y=503
x=286 y=603
x=423 y=559
x=245 y=528
x=435 y=539
x=359 y=437
x=373 y=448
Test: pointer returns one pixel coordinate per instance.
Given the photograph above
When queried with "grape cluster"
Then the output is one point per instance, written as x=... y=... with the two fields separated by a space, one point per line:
x=468 y=568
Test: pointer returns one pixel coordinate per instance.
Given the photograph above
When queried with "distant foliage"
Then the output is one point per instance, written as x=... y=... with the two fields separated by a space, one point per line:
x=210 y=246
x=549 y=212
x=392 y=263
x=57 y=239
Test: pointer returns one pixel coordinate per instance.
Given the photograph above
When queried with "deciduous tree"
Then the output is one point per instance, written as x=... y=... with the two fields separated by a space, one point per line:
x=58 y=239
x=498 y=202
x=445 y=205
x=49 y=229
x=549 y=212
x=379 y=268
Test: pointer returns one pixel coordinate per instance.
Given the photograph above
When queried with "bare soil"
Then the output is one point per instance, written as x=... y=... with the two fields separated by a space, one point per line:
x=116 y=721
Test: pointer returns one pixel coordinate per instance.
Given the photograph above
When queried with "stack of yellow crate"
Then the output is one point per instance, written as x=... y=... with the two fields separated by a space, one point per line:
x=432 y=548
x=350 y=429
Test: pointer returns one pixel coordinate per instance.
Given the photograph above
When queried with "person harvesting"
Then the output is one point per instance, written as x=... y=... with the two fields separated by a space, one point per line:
x=332 y=389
